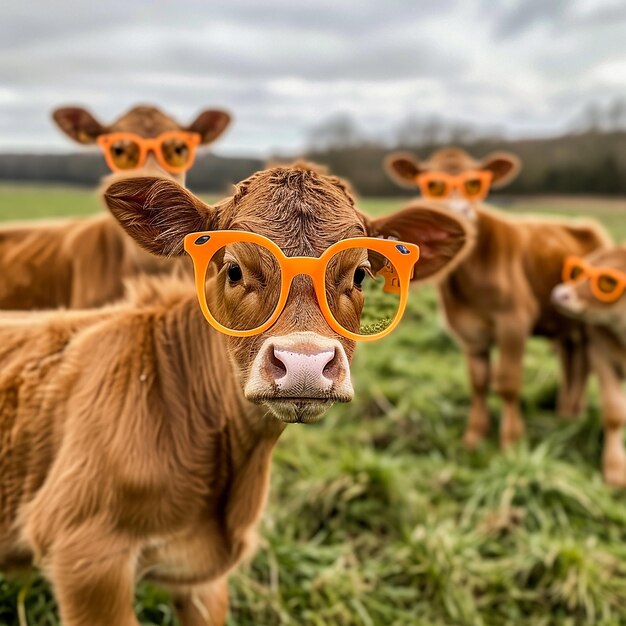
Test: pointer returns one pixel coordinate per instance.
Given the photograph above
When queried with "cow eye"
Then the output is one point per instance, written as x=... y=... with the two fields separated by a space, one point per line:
x=359 y=276
x=234 y=273
x=576 y=272
x=607 y=284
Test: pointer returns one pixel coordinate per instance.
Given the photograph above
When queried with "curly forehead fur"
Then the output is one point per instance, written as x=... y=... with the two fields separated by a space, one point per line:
x=299 y=206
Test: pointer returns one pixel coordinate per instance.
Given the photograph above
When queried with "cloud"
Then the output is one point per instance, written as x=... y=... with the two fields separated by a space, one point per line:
x=281 y=67
x=515 y=18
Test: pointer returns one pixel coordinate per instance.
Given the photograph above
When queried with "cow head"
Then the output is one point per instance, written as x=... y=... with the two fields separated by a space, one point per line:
x=453 y=177
x=299 y=366
x=146 y=122
x=595 y=289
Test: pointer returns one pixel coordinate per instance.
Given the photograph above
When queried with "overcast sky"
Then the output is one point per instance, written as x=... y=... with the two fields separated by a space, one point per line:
x=283 y=66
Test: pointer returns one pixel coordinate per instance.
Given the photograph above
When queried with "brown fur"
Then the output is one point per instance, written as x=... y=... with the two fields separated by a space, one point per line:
x=71 y=263
x=127 y=448
x=607 y=348
x=499 y=294
x=82 y=263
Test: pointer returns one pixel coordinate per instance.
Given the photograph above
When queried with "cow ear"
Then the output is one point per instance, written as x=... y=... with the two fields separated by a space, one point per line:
x=444 y=238
x=79 y=124
x=403 y=168
x=210 y=125
x=157 y=212
x=504 y=167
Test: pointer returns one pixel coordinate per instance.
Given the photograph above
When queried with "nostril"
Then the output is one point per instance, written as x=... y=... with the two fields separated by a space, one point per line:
x=332 y=368
x=277 y=368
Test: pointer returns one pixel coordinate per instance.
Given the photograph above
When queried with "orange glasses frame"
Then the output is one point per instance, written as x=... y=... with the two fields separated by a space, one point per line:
x=455 y=182
x=150 y=144
x=594 y=274
x=202 y=246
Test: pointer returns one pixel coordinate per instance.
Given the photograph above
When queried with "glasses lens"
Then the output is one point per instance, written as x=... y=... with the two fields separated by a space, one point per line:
x=243 y=285
x=437 y=188
x=176 y=152
x=607 y=284
x=473 y=187
x=125 y=154
x=362 y=290
x=576 y=272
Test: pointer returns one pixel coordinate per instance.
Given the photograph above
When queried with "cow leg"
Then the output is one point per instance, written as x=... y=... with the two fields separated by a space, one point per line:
x=565 y=350
x=93 y=579
x=474 y=335
x=203 y=605
x=574 y=375
x=511 y=335
x=581 y=371
x=613 y=401
x=478 y=424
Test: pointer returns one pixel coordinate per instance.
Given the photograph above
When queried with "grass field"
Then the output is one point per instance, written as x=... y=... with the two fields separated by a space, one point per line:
x=379 y=517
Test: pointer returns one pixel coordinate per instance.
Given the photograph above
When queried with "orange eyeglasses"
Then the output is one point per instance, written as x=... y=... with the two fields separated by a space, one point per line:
x=473 y=185
x=607 y=284
x=361 y=284
x=175 y=150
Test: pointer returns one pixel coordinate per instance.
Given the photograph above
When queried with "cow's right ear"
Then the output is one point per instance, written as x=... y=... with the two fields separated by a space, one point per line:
x=445 y=238
x=78 y=124
x=504 y=167
x=157 y=212
x=210 y=125
x=403 y=168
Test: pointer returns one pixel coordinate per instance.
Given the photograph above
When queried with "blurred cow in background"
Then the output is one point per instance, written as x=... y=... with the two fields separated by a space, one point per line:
x=595 y=292
x=83 y=262
x=499 y=295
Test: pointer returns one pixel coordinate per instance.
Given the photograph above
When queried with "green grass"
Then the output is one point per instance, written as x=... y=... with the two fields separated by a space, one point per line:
x=20 y=202
x=379 y=517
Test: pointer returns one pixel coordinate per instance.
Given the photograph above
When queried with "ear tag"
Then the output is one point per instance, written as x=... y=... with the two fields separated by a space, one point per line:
x=392 y=282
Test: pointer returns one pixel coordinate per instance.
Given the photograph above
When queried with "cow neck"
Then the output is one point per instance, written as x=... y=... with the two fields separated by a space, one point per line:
x=483 y=248
x=195 y=360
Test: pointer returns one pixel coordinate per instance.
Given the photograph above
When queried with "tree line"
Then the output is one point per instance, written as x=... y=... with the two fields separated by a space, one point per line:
x=591 y=161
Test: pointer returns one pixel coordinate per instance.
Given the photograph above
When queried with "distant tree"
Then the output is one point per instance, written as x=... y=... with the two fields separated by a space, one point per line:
x=339 y=131
x=462 y=134
x=434 y=131
x=592 y=118
x=410 y=132
x=616 y=114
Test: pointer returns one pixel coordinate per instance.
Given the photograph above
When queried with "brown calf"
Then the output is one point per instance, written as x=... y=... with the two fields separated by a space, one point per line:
x=83 y=262
x=607 y=349
x=499 y=295
x=135 y=440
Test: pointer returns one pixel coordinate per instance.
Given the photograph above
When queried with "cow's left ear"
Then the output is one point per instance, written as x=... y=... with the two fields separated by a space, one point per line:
x=444 y=238
x=156 y=212
x=210 y=125
x=403 y=168
x=79 y=124
x=503 y=165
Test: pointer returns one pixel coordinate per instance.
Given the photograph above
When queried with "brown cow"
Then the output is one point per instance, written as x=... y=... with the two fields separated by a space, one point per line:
x=499 y=295
x=607 y=349
x=135 y=440
x=83 y=262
